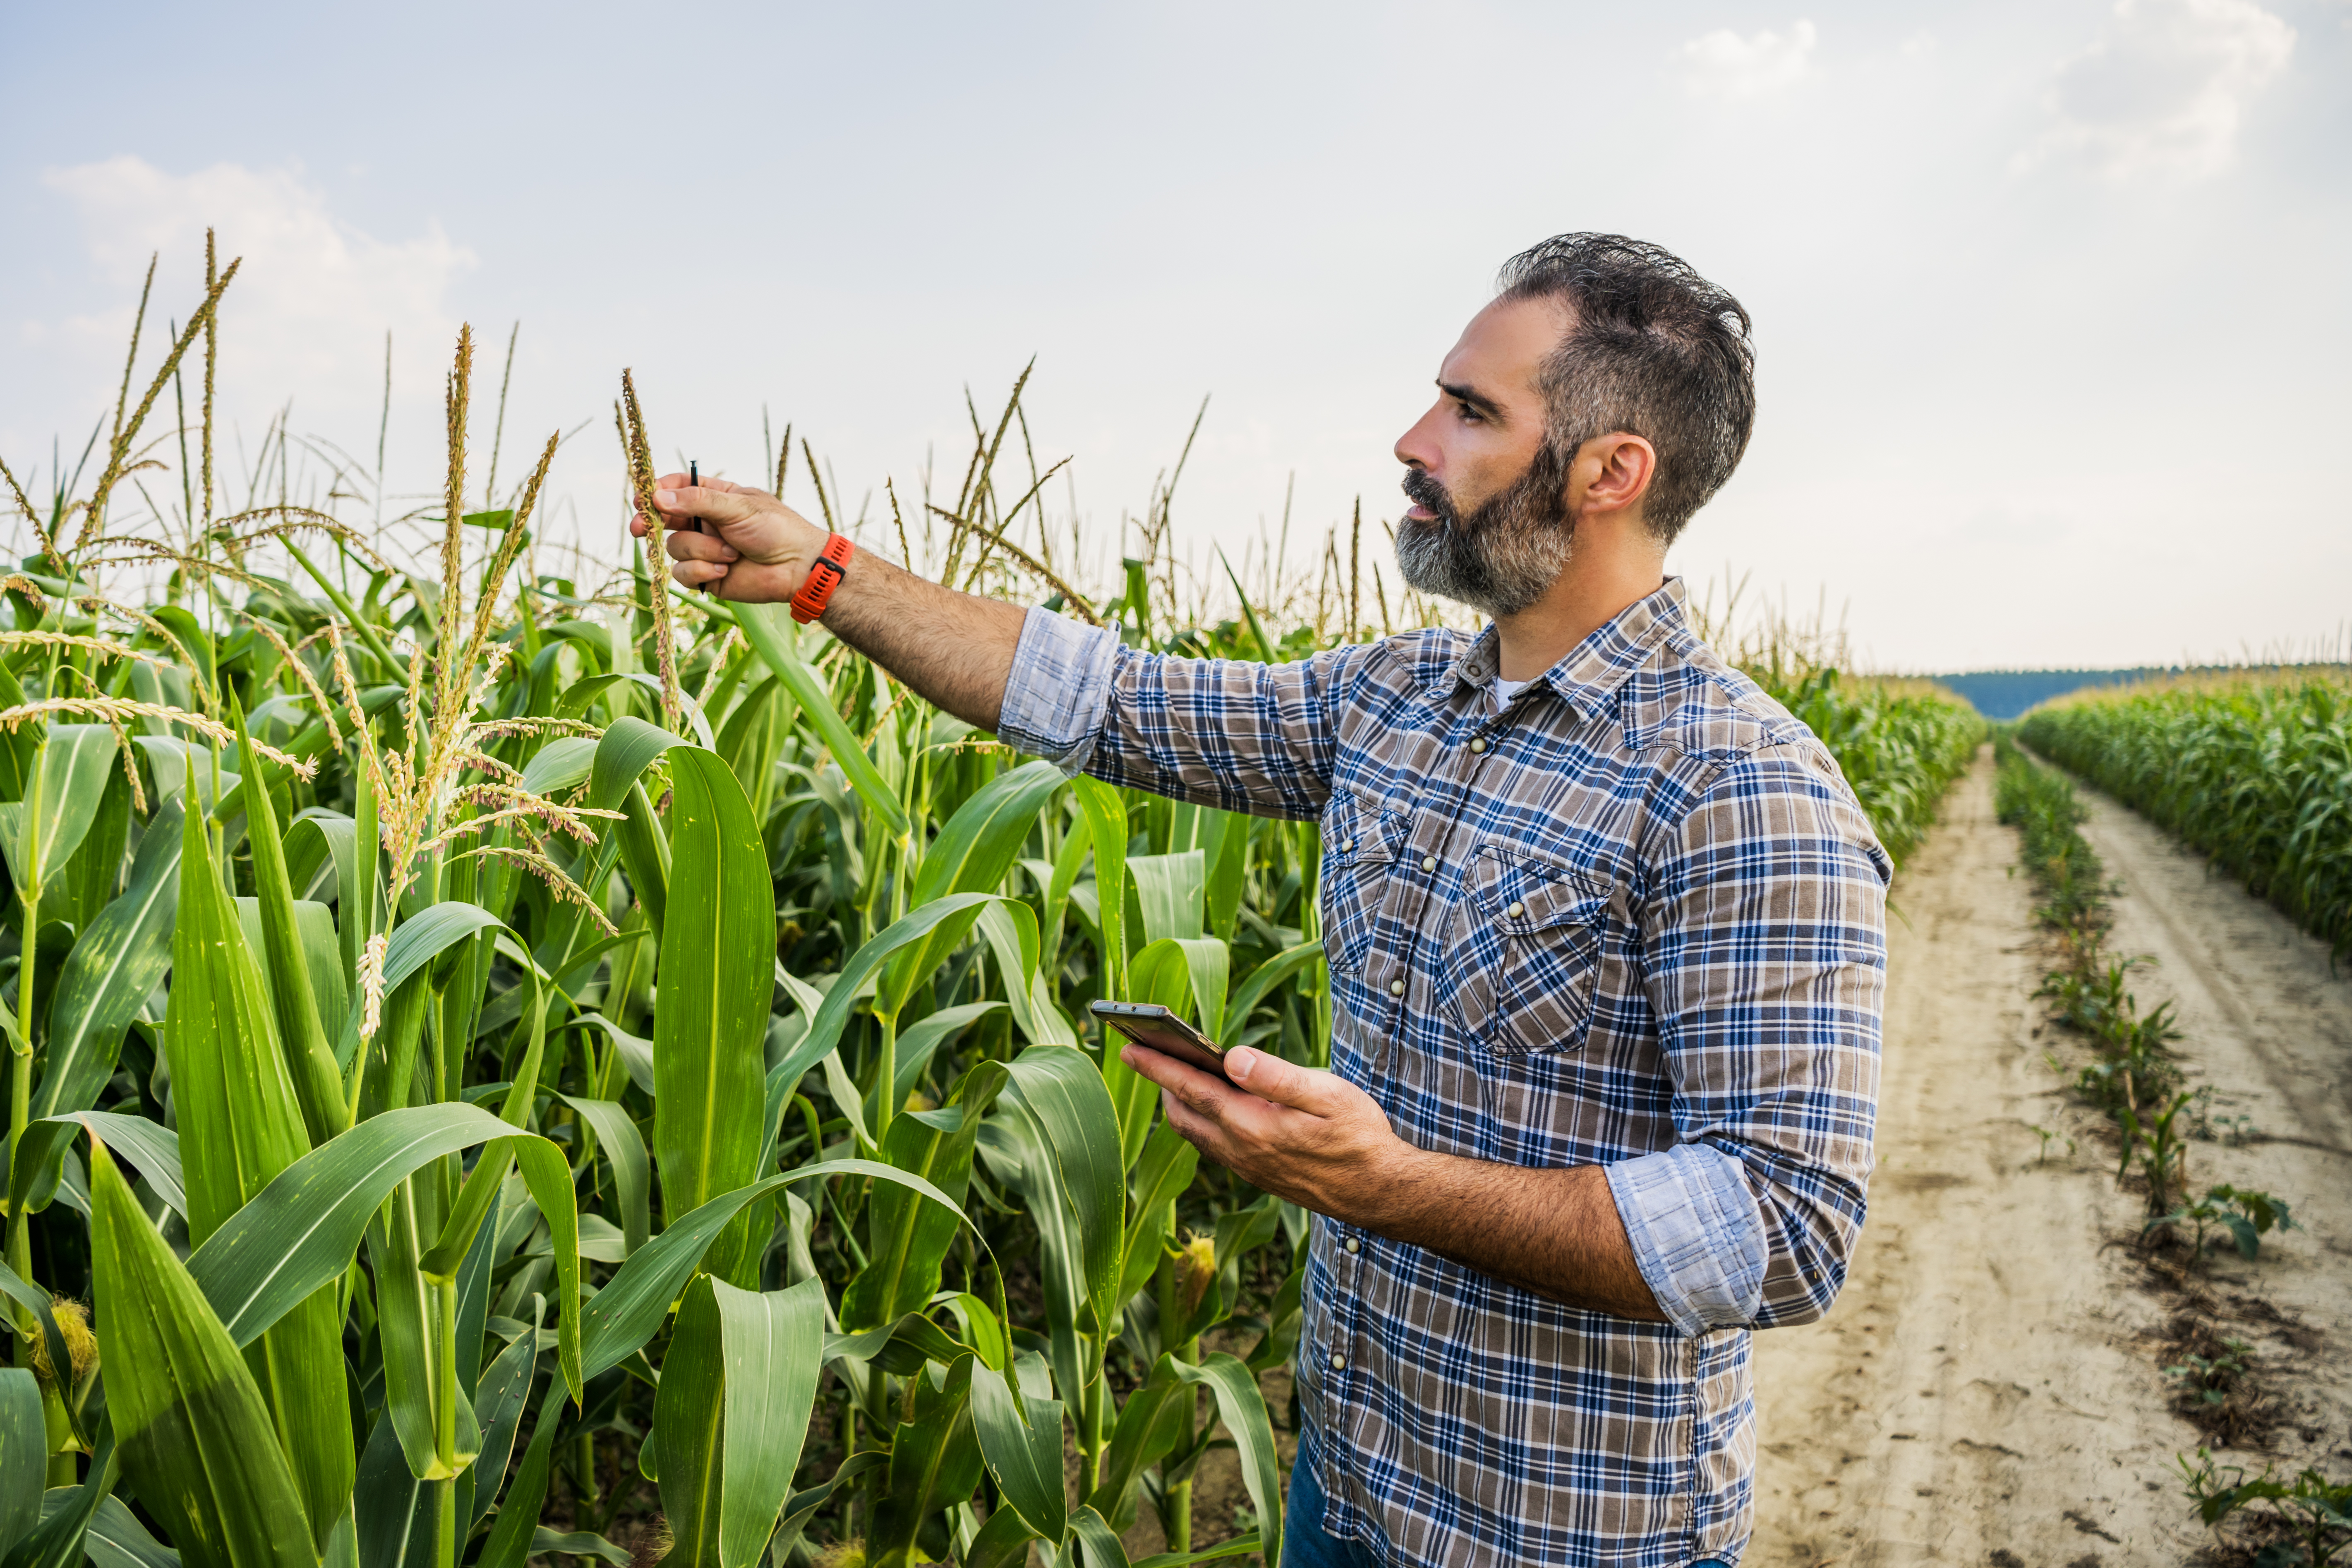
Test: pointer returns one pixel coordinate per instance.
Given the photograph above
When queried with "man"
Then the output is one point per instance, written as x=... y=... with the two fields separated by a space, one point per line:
x=1605 y=927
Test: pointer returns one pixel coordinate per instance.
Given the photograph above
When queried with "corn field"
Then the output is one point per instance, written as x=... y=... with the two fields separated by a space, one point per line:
x=2256 y=771
x=508 y=1067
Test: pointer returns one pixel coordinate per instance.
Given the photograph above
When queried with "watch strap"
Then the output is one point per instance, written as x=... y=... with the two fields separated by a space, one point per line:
x=825 y=574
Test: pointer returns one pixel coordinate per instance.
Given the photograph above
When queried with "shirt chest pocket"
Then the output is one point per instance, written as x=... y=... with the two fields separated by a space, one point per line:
x=1522 y=956
x=1361 y=840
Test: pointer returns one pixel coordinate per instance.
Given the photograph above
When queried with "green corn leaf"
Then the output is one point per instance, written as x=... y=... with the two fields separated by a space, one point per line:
x=320 y=843
x=20 y=746
x=498 y=1400
x=618 y=1140
x=935 y=1461
x=409 y=1323
x=196 y=1439
x=150 y=1146
x=907 y=1238
x=972 y=853
x=114 y=965
x=318 y=1083
x=1169 y=891
x=1002 y=1543
x=1242 y=1408
x=1101 y=1542
x=630 y=1307
x=1021 y=1439
x=1261 y=984
x=116 y=1539
x=636 y=1053
x=90 y=1520
x=579 y=1543
x=565 y=762
x=24 y=1454
x=769 y=629
x=393 y=1508
x=241 y=1127
x=737 y=1388
x=718 y=958
x=1011 y=930
x=304 y=1228
x=1225 y=837
x=1106 y=815
x=1249 y=612
x=91 y=876
x=917 y=1046
x=37 y=1302
x=1249 y=1544
x=515 y=1531
x=71 y=782
x=1074 y=1168
x=415 y=943
x=833 y=1014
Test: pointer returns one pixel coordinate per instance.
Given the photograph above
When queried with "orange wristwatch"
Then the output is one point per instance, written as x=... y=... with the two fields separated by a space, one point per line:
x=824 y=575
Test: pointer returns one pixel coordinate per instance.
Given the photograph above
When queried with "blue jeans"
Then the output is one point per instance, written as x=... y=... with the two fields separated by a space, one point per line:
x=1304 y=1542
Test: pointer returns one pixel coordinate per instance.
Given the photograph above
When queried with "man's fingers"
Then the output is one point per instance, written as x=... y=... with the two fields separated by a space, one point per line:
x=722 y=487
x=685 y=546
x=696 y=573
x=1286 y=1083
x=721 y=506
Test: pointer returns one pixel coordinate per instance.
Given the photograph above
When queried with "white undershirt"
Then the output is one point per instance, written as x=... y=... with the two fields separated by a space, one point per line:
x=1504 y=690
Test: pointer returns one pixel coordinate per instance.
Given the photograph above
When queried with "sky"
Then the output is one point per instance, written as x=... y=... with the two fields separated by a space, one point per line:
x=2048 y=300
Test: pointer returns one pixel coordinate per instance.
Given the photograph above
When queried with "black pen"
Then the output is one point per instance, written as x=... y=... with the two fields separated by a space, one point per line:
x=694 y=480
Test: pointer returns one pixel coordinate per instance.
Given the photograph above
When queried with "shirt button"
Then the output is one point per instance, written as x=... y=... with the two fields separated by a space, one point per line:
x=1479 y=744
x=1338 y=1362
x=1347 y=847
x=1396 y=987
x=1429 y=862
x=1515 y=910
x=1355 y=1246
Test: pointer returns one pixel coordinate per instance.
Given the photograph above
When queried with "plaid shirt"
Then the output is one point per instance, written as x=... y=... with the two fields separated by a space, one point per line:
x=1633 y=918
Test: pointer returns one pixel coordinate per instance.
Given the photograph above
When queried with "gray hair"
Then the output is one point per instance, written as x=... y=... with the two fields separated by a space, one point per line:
x=1655 y=350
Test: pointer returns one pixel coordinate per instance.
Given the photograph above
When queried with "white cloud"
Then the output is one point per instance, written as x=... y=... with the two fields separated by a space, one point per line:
x=1722 y=64
x=2164 y=88
x=311 y=302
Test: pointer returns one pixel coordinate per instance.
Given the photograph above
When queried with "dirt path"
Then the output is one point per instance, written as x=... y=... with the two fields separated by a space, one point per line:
x=1985 y=1391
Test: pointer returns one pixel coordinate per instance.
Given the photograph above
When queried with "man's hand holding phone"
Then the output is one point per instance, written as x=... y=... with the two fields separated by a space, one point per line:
x=1300 y=1133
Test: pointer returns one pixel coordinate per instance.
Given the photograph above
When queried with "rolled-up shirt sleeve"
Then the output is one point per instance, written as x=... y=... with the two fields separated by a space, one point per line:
x=1765 y=942
x=1059 y=690
x=1241 y=736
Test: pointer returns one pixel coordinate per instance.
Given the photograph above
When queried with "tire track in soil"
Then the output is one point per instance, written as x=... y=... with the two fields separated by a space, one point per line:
x=1984 y=1390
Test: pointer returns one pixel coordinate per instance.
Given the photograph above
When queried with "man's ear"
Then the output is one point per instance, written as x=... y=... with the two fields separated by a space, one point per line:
x=1611 y=474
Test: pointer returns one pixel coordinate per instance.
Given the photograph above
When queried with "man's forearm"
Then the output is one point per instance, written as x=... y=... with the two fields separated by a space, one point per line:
x=1554 y=1232
x=955 y=649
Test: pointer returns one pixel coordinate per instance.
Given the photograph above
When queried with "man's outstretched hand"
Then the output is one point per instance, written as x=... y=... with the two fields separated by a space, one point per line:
x=762 y=551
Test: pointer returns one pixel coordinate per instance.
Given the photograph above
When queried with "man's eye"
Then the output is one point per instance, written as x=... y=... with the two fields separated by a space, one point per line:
x=1466 y=414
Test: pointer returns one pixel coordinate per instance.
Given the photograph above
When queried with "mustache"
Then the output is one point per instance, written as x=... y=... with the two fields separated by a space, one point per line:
x=1423 y=489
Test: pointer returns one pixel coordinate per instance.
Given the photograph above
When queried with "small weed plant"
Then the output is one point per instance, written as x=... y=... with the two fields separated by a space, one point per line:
x=2310 y=1516
x=2245 y=1213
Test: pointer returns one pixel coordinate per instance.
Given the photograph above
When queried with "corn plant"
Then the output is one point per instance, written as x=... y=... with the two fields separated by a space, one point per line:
x=506 y=1065
x=2253 y=769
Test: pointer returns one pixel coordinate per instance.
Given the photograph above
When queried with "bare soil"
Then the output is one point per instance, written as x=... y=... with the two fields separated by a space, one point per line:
x=1989 y=1387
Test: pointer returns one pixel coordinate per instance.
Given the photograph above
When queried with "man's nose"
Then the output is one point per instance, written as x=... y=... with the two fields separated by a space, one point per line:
x=1417 y=448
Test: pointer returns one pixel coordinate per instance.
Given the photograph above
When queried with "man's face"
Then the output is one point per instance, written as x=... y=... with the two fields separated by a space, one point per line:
x=1487 y=527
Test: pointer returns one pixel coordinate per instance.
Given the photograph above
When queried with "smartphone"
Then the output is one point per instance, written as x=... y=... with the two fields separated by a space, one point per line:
x=1156 y=1028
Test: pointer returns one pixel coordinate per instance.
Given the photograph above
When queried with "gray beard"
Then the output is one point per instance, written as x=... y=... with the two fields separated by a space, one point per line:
x=1503 y=556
